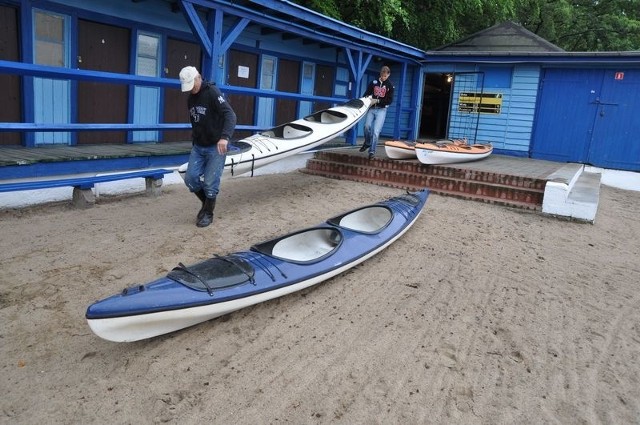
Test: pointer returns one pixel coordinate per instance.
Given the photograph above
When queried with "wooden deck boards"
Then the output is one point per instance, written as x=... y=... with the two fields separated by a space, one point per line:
x=15 y=155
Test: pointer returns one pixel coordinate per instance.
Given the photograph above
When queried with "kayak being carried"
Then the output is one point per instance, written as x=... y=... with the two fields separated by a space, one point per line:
x=288 y=139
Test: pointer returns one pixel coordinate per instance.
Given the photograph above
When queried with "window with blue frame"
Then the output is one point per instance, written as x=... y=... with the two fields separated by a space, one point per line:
x=49 y=40
x=147 y=58
x=342 y=82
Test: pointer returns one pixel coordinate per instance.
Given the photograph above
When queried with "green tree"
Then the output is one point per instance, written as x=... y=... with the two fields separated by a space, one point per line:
x=574 y=25
x=596 y=25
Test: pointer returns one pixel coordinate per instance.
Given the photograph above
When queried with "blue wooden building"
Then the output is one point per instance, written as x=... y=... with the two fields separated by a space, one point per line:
x=94 y=72
x=532 y=99
x=89 y=72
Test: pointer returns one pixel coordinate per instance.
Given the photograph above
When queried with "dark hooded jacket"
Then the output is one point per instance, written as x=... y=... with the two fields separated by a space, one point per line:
x=212 y=118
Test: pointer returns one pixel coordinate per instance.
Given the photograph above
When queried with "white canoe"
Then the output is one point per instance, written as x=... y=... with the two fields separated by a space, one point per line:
x=400 y=149
x=291 y=138
x=451 y=152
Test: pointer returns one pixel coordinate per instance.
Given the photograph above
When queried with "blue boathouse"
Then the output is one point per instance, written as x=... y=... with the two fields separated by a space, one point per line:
x=104 y=74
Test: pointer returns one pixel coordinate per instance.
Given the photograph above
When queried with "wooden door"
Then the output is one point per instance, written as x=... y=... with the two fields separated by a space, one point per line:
x=288 y=81
x=10 y=95
x=102 y=48
x=179 y=54
x=243 y=72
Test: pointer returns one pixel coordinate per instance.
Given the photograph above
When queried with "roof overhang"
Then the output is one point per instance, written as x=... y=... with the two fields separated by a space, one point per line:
x=545 y=58
x=296 y=21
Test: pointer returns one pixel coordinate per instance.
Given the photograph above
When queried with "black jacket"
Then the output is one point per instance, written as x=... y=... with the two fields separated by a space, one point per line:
x=212 y=118
x=383 y=91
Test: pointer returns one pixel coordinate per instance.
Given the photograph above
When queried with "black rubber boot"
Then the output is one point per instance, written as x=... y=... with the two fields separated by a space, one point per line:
x=207 y=216
x=200 y=194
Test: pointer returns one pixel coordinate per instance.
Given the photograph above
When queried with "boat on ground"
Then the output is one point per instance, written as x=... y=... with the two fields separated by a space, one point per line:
x=451 y=151
x=400 y=149
x=288 y=139
x=189 y=295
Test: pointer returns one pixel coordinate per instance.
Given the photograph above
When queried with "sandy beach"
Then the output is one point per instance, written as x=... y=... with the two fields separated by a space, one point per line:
x=479 y=314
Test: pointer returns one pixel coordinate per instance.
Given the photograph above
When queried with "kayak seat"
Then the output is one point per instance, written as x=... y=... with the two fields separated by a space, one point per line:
x=238 y=147
x=354 y=103
x=306 y=246
x=371 y=219
x=327 y=116
x=288 y=131
x=214 y=273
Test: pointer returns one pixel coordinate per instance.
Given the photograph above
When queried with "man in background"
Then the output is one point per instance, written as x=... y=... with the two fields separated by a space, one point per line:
x=381 y=92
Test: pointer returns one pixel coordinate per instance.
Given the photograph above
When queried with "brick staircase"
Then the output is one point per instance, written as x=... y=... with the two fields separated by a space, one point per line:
x=452 y=180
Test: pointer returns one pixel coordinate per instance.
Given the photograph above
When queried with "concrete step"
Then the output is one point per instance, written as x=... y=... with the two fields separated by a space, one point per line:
x=573 y=193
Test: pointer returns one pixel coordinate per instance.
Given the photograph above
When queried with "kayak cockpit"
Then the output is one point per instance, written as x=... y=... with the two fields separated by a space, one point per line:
x=327 y=116
x=214 y=273
x=288 y=131
x=370 y=219
x=238 y=147
x=306 y=246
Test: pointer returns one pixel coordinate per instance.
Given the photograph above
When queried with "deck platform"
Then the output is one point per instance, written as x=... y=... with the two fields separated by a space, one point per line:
x=559 y=189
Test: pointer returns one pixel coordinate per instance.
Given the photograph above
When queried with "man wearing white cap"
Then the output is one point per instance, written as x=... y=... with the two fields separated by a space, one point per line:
x=213 y=122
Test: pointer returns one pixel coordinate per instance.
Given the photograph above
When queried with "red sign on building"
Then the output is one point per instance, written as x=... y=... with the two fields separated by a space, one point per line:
x=619 y=76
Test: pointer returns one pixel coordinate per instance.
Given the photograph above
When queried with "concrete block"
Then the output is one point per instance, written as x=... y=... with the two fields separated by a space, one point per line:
x=83 y=198
x=153 y=186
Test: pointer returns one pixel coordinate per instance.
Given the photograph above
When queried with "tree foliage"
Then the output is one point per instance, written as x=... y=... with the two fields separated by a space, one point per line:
x=574 y=25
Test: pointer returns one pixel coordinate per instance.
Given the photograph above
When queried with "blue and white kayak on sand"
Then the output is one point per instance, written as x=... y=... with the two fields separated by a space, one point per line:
x=188 y=295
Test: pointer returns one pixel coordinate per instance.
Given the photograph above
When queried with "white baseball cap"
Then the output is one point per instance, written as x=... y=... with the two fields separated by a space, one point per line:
x=188 y=76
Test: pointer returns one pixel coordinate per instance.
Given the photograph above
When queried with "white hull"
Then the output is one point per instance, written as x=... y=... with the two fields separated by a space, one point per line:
x=297 y=136
x=435 y=157
x=395 y=152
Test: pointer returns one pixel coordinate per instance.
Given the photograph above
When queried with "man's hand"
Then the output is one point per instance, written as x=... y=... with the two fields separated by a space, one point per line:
x=222 y=146
x=375 y=101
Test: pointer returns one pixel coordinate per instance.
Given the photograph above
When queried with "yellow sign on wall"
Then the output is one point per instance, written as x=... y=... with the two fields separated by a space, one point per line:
x=487 y=103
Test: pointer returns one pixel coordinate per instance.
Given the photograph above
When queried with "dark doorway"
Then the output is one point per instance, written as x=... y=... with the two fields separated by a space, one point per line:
x=288 y=81
x=243 y=72
x=325 y=76
x=102 y=48
x=10 y=95
x=435 y=106
x=179 y=54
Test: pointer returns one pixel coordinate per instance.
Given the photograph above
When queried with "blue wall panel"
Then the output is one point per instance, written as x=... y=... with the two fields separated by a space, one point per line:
x=565 y=114
x=157 y=13
x=146 y=111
